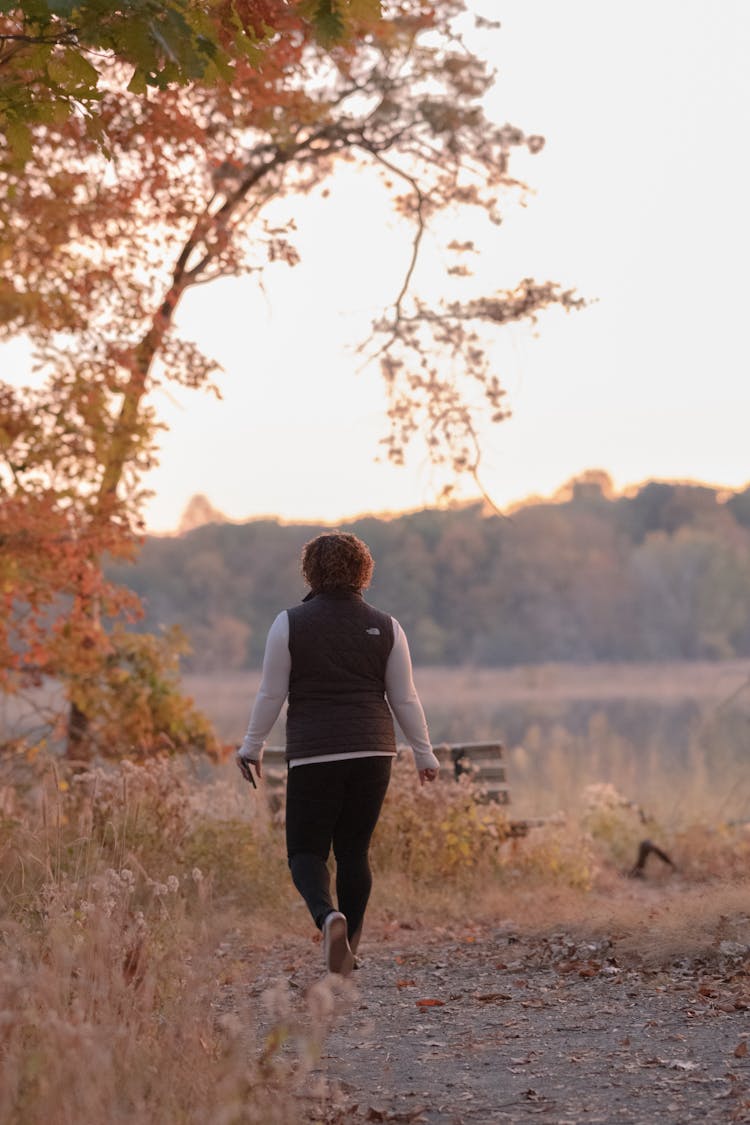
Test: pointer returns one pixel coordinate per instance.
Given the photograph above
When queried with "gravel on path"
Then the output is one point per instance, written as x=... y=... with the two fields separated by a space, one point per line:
x=491 y=1026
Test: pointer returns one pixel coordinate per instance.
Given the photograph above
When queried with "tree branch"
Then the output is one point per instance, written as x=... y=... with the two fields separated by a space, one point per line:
x=416 y=241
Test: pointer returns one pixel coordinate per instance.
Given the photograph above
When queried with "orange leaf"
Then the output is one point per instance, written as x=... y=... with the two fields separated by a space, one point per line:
x=430 y=1003
x=405 y=983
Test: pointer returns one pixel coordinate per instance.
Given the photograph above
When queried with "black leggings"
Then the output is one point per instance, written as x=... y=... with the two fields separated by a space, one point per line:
x=334 y=803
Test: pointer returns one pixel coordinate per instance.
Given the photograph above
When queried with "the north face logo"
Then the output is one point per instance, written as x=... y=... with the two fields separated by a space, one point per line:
x=375 y=632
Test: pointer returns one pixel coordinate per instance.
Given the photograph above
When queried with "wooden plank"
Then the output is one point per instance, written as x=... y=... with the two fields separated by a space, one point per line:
x=482 y=761
x=475 y=747
x=487 y=770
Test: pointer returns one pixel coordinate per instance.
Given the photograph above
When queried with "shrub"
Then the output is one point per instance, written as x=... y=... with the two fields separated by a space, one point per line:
x=433 y=832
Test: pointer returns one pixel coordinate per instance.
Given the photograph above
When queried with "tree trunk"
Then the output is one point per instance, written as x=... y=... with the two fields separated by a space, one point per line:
x=77 y=748
x=78 y=744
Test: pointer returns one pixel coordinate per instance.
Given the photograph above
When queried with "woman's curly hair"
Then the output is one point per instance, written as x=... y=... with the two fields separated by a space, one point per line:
x=335 y=561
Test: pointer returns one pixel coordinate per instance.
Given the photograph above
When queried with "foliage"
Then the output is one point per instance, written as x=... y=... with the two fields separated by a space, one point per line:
x=136 y=701
x=554 y=855
x=243 y=862
x=439 y=831
x=615 y=823
x=448 y=832
x=96 y=255
x=55 y=54
x=57 y=602
x=589 y=577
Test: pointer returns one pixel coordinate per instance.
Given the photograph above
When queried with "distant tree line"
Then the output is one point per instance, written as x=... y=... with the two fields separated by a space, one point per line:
x=661 y=573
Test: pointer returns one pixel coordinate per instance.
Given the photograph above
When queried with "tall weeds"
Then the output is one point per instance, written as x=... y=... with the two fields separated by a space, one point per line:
x=109 y=929
x=119 y=887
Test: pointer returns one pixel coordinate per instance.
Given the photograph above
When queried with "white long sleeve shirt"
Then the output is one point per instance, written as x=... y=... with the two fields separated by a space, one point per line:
x=399 y=691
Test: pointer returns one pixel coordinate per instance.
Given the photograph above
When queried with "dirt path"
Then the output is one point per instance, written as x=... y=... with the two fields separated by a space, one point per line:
x=485 y=1025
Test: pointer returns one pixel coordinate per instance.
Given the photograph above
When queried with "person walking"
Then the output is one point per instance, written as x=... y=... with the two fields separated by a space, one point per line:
x=341 y=663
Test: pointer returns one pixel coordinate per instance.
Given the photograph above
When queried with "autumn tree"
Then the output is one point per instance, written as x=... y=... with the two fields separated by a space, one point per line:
x=97 y=253
x=54 y=54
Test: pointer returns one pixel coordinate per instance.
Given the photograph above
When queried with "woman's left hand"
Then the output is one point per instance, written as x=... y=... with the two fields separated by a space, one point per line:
x=427 y=775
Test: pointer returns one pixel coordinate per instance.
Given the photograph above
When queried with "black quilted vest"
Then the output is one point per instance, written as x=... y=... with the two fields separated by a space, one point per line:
x=339 y=647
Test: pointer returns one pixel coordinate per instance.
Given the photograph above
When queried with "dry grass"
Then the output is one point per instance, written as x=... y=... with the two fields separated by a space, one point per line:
x=110 y=929
x=119 y=888
x=651 y=923
x=670 y=737
x=227 y=696
x=662 y=922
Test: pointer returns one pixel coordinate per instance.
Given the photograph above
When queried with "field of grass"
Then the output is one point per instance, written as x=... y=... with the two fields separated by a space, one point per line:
x=476 y=694
x=671 y=737
x=121 y=889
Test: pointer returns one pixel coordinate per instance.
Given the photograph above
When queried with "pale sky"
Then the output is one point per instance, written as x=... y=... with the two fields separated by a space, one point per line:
x=640 y=202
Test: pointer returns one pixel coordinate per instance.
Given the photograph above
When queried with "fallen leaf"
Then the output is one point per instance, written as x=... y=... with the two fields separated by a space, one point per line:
x=407 y=983
x=741 y=1049
x=430 y=1003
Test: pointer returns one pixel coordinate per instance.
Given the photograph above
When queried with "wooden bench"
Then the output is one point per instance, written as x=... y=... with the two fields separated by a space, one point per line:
x=481 y=761
x=484 y=763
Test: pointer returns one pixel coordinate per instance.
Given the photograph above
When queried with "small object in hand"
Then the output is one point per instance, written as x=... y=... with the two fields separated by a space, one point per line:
x=246 y=770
